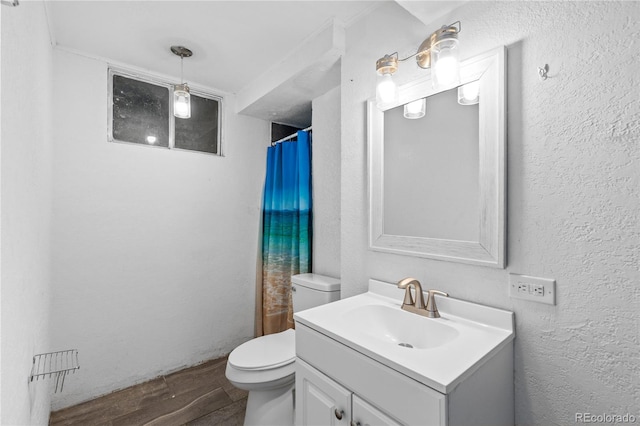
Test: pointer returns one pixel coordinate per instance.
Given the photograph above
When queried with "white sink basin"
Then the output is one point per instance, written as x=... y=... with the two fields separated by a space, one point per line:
x=398 y=327
x=439 y=352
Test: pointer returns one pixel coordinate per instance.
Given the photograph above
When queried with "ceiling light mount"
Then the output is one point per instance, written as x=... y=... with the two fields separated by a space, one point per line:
x=181 y=51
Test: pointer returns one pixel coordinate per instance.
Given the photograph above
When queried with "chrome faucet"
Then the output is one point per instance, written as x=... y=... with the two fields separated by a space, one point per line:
x=418 y=306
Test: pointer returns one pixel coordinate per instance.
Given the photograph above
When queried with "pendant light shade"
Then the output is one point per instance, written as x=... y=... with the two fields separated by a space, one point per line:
x=181 y=101
x=181 y=96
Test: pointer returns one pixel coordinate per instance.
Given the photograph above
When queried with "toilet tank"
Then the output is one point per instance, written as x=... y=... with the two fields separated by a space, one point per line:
x=311 y=290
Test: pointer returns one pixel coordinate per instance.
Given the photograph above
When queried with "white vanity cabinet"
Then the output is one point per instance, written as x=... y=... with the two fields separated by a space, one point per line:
x=330 y=376
x=351 y=372
x=322 y=401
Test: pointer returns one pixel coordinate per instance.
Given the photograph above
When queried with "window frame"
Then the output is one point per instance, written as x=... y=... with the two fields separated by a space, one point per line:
x=150 y=79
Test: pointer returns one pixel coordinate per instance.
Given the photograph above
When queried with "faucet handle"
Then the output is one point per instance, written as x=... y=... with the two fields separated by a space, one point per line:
x=431 y=308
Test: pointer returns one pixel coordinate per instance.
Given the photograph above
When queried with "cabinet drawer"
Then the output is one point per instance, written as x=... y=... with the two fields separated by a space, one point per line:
x=403 y=398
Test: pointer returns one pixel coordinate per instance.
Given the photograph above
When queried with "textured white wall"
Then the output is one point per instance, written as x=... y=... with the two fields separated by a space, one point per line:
x=326 y=183
x=573 y=192
x=153 y=249
x=26 y=210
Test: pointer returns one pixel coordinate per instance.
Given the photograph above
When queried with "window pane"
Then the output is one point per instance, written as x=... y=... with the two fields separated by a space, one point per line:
x=200 y=132
x=140 y=112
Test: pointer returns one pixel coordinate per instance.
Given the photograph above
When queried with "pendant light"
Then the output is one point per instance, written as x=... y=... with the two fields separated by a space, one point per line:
x=181 y=96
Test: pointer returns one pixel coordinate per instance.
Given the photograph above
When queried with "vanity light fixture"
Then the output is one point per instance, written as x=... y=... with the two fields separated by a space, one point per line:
x=181 y=96
x=469 y=94
x=415 y=109
x=439 y=52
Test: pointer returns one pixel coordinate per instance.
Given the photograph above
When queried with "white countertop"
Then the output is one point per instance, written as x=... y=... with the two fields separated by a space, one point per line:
x=481 y=332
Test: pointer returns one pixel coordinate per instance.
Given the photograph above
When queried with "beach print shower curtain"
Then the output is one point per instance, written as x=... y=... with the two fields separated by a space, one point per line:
x=287 y=228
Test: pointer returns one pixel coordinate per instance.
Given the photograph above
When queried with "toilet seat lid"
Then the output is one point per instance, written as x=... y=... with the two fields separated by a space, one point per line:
x=265 y=352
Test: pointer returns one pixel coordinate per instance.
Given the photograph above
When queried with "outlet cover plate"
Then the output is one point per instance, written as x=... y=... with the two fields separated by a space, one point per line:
x=541 y=290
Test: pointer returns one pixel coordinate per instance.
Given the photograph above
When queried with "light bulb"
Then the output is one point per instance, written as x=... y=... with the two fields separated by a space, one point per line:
x=444 y=64
x=469 y=93
x=445 y=71
x=182 y=107
x=151 y=139
x=386 y=91
x=415 y=109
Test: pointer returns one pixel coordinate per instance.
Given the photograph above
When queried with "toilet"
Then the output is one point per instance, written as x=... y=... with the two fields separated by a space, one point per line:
x=265 y=366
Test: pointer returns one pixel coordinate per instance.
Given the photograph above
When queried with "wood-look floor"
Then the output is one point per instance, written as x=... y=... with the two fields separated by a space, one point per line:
x=196 y=396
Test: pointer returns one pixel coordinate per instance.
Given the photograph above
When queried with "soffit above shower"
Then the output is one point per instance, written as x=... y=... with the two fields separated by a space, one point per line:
x=283 y=94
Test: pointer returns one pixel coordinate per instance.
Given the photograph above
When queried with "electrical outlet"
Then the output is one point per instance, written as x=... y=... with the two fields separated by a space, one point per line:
x=537 y=290
x=542 y=290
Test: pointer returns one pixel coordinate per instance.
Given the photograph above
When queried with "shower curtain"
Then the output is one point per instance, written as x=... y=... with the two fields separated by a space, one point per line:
x=287 y=229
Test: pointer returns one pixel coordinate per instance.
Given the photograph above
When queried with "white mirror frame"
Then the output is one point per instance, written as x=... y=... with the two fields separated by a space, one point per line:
x=489 y=250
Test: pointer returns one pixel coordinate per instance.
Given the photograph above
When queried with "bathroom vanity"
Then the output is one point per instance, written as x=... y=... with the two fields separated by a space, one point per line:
x=363 y=360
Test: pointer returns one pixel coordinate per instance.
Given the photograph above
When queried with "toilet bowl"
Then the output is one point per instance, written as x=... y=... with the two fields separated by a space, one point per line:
x=265 y=366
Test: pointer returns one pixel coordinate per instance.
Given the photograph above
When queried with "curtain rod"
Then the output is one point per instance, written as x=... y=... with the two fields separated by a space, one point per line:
x=291 y=136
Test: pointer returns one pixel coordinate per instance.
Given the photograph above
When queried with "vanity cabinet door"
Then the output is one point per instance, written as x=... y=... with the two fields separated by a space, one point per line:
x=319 y=400
x=365 y=414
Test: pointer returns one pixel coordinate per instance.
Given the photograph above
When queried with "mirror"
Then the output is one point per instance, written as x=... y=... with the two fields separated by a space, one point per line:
x=437 y=183
x=446 y=208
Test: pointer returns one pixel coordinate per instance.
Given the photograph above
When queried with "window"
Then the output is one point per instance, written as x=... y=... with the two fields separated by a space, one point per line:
x=141 y=112
x=200 y=132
